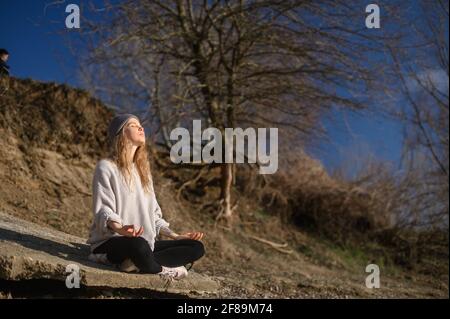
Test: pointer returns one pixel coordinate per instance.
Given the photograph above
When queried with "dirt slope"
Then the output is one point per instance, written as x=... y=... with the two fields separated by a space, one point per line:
x=51 y=138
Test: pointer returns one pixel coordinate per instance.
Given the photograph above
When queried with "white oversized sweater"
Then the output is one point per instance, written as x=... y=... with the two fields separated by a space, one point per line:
x=114 y=200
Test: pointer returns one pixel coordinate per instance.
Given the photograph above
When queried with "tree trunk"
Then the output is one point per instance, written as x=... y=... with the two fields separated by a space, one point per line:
x=227 y=180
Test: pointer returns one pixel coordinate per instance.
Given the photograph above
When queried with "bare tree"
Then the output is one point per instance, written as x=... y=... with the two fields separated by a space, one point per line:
x=420 y=66
x=233 y=64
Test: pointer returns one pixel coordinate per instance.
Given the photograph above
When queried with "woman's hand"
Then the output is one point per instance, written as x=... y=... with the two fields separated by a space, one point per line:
x=193 y=235
x=130 y=231
x=126 y=230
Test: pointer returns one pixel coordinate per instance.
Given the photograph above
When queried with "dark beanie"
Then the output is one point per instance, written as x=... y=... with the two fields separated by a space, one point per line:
x=117 y=124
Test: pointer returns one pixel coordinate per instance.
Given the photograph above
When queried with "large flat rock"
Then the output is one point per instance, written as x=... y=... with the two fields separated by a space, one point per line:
x=30 y=251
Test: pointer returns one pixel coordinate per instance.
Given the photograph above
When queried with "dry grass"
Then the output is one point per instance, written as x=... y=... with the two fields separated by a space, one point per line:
x=49 y=184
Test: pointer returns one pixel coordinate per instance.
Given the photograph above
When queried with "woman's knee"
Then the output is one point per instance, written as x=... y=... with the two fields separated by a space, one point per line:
x=139 y=245
x=196 y=247
x=199 y=249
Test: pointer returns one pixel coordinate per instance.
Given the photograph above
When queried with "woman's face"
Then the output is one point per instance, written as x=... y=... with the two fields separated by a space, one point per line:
x=134 y=132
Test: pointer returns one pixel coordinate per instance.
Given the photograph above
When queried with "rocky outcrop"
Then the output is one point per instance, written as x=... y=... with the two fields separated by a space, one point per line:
x=30 y=251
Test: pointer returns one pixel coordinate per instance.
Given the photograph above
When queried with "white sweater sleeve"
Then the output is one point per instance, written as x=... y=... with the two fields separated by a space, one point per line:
x=160 y=222
x=104 y=201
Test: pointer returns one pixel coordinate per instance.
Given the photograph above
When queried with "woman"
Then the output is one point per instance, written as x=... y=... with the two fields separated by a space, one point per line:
x=127 y=217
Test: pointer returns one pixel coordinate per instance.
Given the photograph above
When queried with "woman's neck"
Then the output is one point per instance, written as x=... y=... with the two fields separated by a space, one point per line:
x=130 y=155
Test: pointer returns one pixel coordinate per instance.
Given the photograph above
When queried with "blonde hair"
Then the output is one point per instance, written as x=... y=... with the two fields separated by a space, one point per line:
x=117 y=153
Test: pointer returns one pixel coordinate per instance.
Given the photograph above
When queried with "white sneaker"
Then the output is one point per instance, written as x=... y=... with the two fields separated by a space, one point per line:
x=128 y=266
x=176 y=273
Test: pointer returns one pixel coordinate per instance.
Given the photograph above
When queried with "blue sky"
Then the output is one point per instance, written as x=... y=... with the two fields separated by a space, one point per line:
x=35 y=35
x=352 y=135
x=31 y=32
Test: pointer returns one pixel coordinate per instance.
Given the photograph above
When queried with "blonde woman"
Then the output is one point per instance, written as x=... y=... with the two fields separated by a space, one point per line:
x=127 y=217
